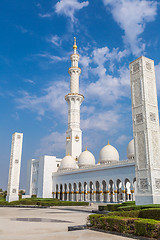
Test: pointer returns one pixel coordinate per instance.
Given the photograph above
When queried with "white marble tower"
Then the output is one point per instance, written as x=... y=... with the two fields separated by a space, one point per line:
x=15 y=164
x=145 y=131
x=74 y=100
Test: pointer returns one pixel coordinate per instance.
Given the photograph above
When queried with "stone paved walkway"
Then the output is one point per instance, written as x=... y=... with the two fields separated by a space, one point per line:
x=47 y=224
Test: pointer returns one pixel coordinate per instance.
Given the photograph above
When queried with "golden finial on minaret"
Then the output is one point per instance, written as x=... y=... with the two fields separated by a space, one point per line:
x=86 y=148
x=108 y=142
x=74 y=46
x=68 y=154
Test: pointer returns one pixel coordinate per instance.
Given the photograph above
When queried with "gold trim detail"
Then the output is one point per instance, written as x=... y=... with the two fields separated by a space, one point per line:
x=74 y=94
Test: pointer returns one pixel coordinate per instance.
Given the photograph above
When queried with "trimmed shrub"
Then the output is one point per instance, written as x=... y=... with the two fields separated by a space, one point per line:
x=128 y=203
x=43 y=202
x=150 y=213
x=114 y=207
x=139 y=227
x=109 y=207
x=112 y=223
x=132 y=214
x=64 y=203
x=139 y=207
x=147 y=228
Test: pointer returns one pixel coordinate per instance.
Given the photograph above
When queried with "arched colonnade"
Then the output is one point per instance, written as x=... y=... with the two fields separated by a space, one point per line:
x=96 y=191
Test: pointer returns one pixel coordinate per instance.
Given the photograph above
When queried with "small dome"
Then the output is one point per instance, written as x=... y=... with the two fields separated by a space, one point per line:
x=108 y=154
x=68 y=163
x=86 y=159
x=130 y=150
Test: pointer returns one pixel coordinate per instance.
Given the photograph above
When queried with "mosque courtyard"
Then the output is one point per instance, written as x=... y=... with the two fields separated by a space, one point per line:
x=47 y=223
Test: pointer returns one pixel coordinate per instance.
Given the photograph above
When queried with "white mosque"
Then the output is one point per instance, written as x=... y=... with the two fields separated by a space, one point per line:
x=76 y=177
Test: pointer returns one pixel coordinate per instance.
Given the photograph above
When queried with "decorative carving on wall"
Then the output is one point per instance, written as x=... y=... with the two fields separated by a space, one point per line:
x=157 y=183
x=148 y=66
x=152 y=117
x=13 y=190
x=137 y=92
x=143 y=183
x=151 y=91
x=155 y=147
x=141 y=154
x=136 y=67
x=139 y=118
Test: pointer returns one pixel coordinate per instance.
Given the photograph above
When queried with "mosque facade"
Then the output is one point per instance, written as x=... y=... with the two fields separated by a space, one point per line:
x=77 y=177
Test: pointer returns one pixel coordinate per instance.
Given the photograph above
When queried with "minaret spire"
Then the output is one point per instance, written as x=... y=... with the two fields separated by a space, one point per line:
x=75 y=46
x=74 y=100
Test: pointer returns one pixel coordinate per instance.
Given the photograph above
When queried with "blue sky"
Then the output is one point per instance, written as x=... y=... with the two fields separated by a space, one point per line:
x=35 y=46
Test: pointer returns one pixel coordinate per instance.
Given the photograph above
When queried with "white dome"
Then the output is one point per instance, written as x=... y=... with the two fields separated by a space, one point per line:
x=68 y=163
x=108 y=154
x=130 y=150
x=86 y=159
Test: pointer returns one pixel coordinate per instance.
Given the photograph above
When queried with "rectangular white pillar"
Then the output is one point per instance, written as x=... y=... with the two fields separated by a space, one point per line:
x=14 y=170
x=145 y=131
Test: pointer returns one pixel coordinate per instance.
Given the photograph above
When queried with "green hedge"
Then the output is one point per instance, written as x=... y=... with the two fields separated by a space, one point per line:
x=112 y=223
x=43 y=202
x=139 y=227
x=109 y=207
x=147 y=228
x=132 y=214
x=150 y=213
x=137 y=207
x=114 y=207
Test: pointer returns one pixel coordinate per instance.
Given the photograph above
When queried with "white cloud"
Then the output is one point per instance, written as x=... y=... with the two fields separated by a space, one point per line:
x=52 y=144
x=29 y=81
x=122 y=139
x=55 y=40
x=102 y=55
x=22 y=29
x=52 y=99
x=69 y=7
x=104 y=121
x=132 y=17
x=108 y=89
x=52 y=58
x=46 y=15
x=85 y=61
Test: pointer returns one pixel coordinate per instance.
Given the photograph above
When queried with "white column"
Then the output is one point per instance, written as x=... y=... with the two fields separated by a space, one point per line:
x=107 y=195
x=15 y=165
x=145 y=131
x=82 y=195
x=132 y=193
x=100 y=194
x=67 y=194
x=94 y=194
x=115 y=195
x=123 y=193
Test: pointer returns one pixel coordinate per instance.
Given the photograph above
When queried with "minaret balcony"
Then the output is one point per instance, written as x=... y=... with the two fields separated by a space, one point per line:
x=74 y=70
x=76 y=96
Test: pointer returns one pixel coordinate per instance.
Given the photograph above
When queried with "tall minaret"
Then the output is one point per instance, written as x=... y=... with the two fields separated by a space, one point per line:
x=15 y=165
x=145 y=131
x=74 y=100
